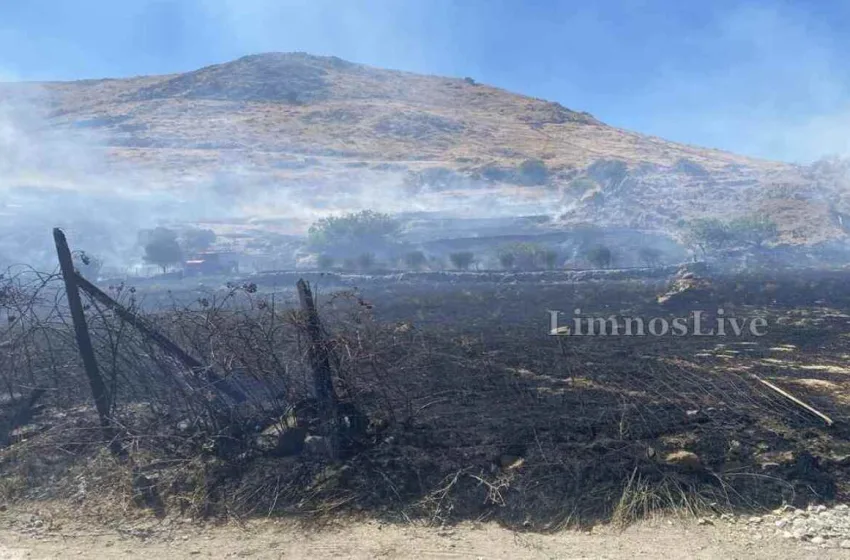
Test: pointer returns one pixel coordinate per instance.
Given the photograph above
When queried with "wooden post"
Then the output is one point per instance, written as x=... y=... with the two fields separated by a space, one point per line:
x=81 y=331
x=321 y=366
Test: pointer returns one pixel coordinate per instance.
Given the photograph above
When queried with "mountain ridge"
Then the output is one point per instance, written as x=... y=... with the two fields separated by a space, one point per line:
x=296 y=118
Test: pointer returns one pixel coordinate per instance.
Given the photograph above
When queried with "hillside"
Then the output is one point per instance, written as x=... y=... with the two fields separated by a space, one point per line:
x=286 y=137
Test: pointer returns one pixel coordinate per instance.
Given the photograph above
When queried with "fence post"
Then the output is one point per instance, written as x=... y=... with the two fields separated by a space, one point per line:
x=81 y=331
x=321 y=365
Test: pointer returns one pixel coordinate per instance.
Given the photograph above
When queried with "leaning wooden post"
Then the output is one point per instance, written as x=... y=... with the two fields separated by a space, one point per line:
x=321 y=365
x=81 y=330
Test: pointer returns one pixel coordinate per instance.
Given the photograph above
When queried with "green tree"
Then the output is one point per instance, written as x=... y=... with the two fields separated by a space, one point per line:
x=549 y=258
x=462 y=260
x=600 y=256
x=526 y=256
x=353 y=229
x=507 y=259
x=754 y=230
x=415 y=260
x=650 y=256
x=195 y=240
x=162 y=248
x=708 y=235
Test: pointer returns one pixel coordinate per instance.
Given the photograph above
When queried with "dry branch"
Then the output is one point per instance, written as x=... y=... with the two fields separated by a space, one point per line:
x=220 y=383
x=795 y=400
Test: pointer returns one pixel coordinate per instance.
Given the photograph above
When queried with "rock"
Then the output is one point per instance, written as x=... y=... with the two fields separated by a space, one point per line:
x=818 y=540
x=705 y=521
x=754 y=520
x=844 y=544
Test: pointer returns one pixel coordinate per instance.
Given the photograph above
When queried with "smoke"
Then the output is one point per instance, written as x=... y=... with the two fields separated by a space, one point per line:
x=761 y=81
x=52 y=176
x=55 y=173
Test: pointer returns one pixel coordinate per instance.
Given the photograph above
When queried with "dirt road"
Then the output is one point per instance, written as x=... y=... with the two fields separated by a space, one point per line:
x=24 y=536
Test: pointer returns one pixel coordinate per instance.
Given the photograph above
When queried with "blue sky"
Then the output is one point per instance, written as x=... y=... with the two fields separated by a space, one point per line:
x=764 y=78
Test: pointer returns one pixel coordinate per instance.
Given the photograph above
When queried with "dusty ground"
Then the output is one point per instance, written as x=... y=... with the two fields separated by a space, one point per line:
x=21 y=538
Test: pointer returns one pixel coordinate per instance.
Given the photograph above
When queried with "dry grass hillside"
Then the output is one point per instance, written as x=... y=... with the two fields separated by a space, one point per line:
x=298 y=119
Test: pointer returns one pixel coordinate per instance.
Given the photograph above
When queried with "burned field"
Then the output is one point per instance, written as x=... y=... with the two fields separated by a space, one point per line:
x=455 y=403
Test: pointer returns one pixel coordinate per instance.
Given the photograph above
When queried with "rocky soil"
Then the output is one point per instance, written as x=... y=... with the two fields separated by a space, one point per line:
x=29 y=535
x=816 y=527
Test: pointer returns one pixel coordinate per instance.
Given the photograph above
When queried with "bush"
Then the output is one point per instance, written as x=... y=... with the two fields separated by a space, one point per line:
x=495 y=173
x=507 y=260
x=528 y=256
x=649 y=256
x=600 y=256
x=415 y=260
x=549 y=258
x=532 y=172
x=358 y=228
x=462 y=260
x=754 y=230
